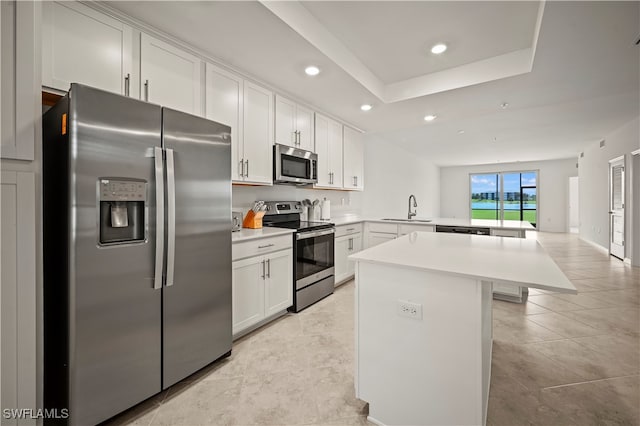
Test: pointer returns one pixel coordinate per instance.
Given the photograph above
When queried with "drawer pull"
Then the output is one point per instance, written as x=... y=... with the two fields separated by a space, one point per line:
x=268 y=245
x=351 y=229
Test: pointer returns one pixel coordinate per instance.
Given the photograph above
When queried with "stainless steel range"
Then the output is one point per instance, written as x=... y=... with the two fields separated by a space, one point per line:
x=313 y=248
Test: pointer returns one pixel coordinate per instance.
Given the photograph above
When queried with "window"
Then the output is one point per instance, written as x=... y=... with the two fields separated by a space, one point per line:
x=505 y=196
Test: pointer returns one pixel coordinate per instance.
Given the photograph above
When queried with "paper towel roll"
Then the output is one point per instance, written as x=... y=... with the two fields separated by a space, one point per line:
x=325 y=214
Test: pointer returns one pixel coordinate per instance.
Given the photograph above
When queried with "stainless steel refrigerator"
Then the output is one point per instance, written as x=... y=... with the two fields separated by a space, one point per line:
x=137 y=250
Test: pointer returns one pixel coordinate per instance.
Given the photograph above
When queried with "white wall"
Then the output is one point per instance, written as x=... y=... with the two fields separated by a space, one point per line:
x=553 y=190
x=342 y=202
x=574 y=202
x=391 y=175
x=594 y=183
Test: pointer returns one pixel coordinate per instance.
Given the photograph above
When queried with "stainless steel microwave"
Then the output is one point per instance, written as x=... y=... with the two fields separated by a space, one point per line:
x=294 y=166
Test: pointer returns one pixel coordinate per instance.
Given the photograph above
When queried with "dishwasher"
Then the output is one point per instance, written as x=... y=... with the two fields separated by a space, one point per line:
x=463 y=230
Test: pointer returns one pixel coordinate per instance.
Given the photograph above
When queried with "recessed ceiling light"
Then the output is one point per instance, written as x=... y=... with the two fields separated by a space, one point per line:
x=438 y=48
x=312 y=70
x=365 y=107
x=430 y=117
x=460 y=132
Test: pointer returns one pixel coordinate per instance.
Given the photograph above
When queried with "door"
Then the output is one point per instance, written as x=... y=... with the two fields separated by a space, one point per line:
x=342 y=250
x=322 y=149
x=197 y=294
x=81 y=45
x=224 y=100
x=115 y=332
x=258 y=134
x=356 y=245
x=616 y=207
x=278 y=282
x=353 y=159
x=248 y=292
x=335 y=153
x=169 y=76
x=376 y=238
x=304 y=126
x=286 y=122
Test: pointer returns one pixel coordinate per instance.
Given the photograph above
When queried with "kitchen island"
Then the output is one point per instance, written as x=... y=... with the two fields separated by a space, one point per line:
x=424 y=324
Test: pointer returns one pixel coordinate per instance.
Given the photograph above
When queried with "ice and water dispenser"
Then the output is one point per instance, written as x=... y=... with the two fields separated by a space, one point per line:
x=122 y=210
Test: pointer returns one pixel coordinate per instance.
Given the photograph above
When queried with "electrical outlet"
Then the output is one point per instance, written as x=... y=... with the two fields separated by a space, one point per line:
x=409 y=309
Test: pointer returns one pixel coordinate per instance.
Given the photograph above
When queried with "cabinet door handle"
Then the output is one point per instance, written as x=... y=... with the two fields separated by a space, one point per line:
x=146 y=90
x=268 y=268
x=263 y=273
x=127 y=84
x=242 y=167
x=247 y=174
x=356 y=180
x=268 y=245
x=299 y=138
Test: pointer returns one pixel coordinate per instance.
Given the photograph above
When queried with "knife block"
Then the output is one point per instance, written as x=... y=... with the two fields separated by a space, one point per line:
x=253 y=220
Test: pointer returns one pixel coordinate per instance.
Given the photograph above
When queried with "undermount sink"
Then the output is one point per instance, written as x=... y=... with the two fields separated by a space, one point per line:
x=408 y=220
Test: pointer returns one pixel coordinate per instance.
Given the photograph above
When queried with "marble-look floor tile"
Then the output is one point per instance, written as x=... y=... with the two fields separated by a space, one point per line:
x=604 y=402
x=278 y=399
x=210 y=402
x=521 y=330
x=589 y=364
x=553 y=303
x=531 y=368
x=608 y=320
x=563 y=326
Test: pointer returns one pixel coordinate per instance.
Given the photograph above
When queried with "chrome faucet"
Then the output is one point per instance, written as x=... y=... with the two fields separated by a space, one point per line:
x=415 y=204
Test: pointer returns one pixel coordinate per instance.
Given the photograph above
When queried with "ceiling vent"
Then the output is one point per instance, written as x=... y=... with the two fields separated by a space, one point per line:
x=581 y=154
x=602 y=143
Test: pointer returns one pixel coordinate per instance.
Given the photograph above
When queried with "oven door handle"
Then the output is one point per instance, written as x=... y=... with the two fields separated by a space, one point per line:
x=305 y=235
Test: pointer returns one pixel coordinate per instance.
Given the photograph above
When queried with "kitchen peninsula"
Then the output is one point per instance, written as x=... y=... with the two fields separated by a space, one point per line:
x=424 y=323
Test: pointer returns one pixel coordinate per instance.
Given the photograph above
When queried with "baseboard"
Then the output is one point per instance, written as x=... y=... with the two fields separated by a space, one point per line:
x=627 y=261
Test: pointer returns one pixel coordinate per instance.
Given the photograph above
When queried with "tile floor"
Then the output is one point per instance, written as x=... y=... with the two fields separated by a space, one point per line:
x=557 y=360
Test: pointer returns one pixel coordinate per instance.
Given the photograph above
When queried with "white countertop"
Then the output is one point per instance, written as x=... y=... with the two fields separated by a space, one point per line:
x=512 y=260
x=245 y=234
x=480 y=223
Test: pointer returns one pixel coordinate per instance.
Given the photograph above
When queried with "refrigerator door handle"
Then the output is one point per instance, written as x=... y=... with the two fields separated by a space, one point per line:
x=159 y=168
x=171 y=217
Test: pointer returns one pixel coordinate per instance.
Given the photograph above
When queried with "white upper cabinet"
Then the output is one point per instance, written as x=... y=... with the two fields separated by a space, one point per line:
x=328 y=136
x=353 y=159
x=257 y=152
x=248 y=109
x=169 y=76
x=294 y=124
x=224 y=104
x=81 y=45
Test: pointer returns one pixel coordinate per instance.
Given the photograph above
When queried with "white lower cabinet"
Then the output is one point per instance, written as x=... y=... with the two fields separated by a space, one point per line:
x=376 y=238
x=344 y=247
x=278 y=282
x=262 y=287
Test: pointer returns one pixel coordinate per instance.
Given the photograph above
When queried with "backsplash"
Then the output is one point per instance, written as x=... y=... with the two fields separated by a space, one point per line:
x=343 y=203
